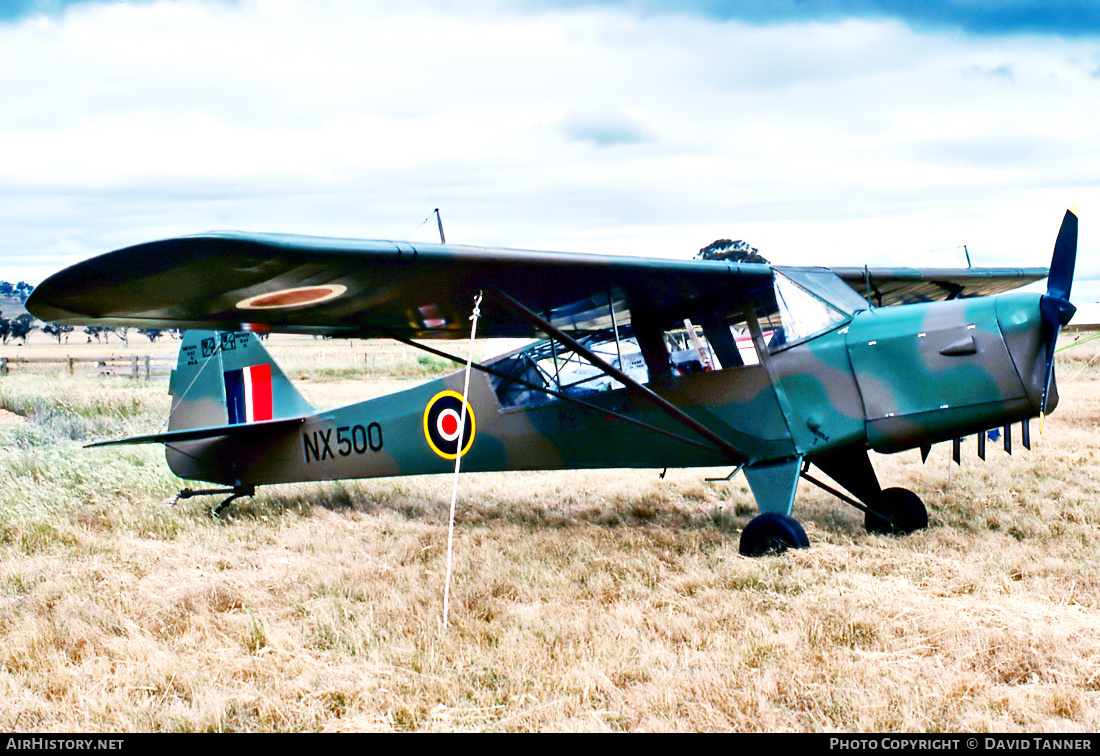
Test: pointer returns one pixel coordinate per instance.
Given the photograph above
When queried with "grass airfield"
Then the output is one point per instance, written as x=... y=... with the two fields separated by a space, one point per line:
x=582 y=601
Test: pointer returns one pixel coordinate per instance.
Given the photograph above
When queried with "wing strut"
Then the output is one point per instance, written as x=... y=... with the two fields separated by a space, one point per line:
x=548 y=391
x=638 y=389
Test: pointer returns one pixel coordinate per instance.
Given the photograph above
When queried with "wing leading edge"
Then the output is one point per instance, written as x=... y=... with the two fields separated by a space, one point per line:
x=336 y=287
x=232 y=282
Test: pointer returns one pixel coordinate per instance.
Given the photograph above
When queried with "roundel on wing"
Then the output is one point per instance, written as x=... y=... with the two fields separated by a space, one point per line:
x=442 y=418
x=297 y=297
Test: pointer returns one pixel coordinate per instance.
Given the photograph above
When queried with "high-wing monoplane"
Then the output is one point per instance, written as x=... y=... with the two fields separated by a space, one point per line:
x=635 y=362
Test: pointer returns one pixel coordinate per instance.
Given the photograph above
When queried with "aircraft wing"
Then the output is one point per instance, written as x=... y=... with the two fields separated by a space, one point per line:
x=336 y=287
x=892 y=286
x=232 y=282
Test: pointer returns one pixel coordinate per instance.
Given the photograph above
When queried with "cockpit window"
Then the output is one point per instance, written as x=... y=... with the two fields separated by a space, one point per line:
x=797 y=315
x=829 y=286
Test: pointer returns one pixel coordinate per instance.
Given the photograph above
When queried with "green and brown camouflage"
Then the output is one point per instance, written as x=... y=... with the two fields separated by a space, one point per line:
x=636 y=363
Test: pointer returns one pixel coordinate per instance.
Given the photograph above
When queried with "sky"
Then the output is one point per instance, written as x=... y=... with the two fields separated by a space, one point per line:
x=823 y=132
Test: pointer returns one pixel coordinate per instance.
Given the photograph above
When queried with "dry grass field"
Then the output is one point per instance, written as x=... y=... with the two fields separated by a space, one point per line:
x=585 y=601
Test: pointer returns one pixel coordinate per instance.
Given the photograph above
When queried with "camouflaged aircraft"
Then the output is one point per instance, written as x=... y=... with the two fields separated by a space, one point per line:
x=635 y=363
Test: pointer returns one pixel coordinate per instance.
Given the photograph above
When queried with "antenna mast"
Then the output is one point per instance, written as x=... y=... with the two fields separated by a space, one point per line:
x=439 y=221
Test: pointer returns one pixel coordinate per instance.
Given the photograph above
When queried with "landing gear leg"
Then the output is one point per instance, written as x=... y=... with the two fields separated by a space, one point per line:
x=774 y=531
x=895 y=511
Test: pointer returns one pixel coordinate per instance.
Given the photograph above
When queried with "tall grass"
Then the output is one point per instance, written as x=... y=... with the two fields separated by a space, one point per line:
x=595 y=601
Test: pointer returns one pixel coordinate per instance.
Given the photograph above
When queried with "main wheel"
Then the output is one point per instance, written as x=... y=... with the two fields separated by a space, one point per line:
x=902 y=512
x=772 y=533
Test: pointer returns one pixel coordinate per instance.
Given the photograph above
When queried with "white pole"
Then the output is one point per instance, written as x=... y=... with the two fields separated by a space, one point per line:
x=458 y=461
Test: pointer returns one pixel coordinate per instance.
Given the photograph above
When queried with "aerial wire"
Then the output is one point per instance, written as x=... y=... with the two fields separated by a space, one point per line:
x=416 y=228
x=179 y=402
x=428 y=217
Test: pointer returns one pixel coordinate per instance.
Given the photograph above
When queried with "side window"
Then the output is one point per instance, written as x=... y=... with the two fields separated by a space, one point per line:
x=717 y=339
x=547 y=365
x=718 y=345
x=688 y=351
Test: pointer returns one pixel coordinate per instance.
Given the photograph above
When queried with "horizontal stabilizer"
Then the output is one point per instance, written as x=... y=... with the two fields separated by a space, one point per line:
x=197 y=434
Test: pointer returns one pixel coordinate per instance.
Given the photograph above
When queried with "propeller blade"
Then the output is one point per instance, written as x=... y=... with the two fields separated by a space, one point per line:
x=1055 y=308
x=1060 y=279
x=1049 y=377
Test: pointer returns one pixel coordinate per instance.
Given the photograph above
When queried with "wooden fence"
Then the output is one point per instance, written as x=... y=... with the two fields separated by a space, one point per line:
x=133 y=366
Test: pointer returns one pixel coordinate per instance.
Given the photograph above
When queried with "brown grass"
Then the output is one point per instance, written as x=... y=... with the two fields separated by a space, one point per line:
x=582 y=601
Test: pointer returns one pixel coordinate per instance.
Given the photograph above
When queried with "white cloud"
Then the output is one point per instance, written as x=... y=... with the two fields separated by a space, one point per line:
x=603 y=126
x=590 y=130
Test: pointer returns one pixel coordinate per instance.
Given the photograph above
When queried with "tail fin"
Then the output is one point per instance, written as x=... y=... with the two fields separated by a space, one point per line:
x=227 y=378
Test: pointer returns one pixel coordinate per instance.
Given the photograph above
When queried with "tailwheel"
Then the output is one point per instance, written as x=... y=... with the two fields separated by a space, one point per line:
x=236 y=493
x=901 y=510
x=772 y=533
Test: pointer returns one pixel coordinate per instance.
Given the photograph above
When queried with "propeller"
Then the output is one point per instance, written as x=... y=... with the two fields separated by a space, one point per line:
x=1055 y=309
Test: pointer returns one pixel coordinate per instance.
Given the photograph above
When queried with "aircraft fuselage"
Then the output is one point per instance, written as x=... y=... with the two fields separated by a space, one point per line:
x=887 y=379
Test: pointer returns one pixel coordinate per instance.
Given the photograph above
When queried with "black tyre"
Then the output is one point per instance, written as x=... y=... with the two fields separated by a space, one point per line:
x=771 y=533
x=902 y=513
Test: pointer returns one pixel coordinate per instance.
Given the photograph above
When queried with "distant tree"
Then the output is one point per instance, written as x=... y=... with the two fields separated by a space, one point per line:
x=96 y=332
x=734 y=251
x=5 y=329
x=152 y=333
x=57 y=331
x=20 y=291
x=21 y=326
